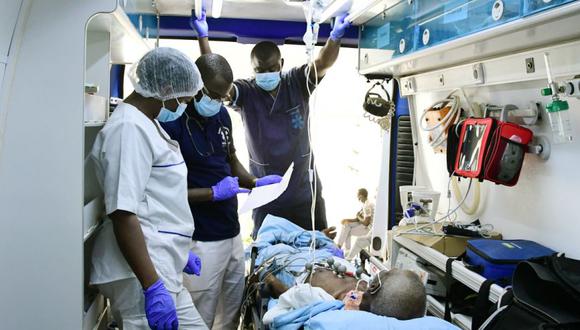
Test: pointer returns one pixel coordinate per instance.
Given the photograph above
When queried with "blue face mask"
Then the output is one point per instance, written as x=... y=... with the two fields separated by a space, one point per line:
x=268 y=81
x=208 y=107
x=166 y=115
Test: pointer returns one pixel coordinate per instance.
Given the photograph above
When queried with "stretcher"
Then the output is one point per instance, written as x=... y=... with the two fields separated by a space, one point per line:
x=265 y=259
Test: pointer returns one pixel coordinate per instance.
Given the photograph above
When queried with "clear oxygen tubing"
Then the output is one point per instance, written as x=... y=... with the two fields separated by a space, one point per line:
x=452 y=116
x=454 y=101
x=311 y=166
x=467 y=209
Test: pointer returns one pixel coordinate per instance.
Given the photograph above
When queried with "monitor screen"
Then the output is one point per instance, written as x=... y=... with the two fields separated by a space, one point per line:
x=471 y=148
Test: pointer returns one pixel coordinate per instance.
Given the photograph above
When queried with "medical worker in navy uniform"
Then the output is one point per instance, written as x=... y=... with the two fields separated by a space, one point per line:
x=274 y=108
x=215 y=177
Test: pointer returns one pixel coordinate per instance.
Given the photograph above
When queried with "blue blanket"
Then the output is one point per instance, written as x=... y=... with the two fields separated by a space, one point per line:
x=295 y=319
x=348 y=320
x=286 y=248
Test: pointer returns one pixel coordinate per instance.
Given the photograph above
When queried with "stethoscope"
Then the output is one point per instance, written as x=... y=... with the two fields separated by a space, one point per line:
x=208 y=153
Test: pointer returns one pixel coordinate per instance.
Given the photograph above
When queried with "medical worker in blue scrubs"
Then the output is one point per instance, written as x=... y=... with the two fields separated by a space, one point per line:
x=274 y=108
x=142 y=250
x=215 y=177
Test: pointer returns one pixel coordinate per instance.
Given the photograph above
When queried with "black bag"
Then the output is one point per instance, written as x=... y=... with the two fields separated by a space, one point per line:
x=545 y=295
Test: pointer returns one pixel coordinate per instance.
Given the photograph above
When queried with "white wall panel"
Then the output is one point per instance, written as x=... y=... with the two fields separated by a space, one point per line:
x=41 y=168
x=8 y=16
x=542 y=206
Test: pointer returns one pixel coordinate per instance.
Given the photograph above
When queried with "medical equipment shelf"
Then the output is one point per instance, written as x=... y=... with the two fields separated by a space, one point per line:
x=437 y=308
x=95 y=124
x=505 y=38
x=437 y=259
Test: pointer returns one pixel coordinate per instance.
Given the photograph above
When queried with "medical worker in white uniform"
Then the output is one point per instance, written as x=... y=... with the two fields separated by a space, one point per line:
x=143 y=248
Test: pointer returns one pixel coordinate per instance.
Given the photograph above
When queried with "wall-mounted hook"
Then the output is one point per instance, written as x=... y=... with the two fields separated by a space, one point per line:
x=540 y=146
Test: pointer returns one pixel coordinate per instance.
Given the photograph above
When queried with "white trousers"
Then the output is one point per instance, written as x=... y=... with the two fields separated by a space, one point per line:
x=351 y=229
x=361 y=243
x=128 y=306
x=218 y=292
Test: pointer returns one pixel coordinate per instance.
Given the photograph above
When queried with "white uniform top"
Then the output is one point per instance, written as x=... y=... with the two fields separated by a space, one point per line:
x=368 y=209
x=142 y=173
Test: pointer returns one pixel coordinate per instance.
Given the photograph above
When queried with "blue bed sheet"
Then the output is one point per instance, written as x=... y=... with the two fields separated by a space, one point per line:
x=296 y=319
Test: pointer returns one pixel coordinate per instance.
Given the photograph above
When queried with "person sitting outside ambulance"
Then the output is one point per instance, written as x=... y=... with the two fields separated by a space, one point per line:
x=214 y=178
x=359 y=226
x=275 y=111
x=142 y=250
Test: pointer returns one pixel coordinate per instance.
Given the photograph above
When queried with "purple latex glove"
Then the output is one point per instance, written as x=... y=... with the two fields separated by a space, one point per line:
x=193 y=266
x=340 y=26
x=160 y=308
x=199 y=24
x=268 y=179
x=336 y=251
x=227 y=188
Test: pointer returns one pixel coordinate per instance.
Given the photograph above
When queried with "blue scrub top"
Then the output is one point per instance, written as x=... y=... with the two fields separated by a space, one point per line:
x=207 y=155
x=277 y=134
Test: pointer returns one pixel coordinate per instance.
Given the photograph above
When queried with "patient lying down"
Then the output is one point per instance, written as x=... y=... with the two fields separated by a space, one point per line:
x=395 y=293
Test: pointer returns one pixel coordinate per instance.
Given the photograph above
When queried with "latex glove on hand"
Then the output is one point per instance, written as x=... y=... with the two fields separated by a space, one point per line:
x=199 y=24
x=160 y=308
x=340 y=26
x=336 y=251
x=193 y=266
x=267 y=180
x=227 y=188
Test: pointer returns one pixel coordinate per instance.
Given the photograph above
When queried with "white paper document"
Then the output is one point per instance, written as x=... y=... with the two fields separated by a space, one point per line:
x=265 y=194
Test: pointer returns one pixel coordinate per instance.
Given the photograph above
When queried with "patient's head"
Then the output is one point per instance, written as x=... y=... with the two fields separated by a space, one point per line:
x=399 y=294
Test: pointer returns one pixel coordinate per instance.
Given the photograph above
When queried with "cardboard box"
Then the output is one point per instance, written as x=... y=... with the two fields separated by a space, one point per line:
x=451 y=246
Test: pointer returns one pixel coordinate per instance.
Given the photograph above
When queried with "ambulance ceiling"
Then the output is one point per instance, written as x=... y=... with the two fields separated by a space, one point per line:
x=244 y=21
x=280 y=10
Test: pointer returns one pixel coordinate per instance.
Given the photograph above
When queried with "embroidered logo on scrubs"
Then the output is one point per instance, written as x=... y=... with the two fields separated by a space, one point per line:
x=224 y=132
x=297 y=121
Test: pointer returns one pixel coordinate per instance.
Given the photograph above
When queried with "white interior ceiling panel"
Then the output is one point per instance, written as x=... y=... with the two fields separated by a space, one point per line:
x=250 y=9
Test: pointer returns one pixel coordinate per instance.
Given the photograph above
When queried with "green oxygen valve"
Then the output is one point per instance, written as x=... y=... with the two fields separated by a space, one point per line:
x=557 y=109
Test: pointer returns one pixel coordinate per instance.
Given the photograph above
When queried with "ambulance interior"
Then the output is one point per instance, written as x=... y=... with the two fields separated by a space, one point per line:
x=446 y=66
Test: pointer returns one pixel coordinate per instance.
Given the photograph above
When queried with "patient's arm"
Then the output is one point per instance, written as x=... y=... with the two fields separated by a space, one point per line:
x=330 y=232
x=275 y=286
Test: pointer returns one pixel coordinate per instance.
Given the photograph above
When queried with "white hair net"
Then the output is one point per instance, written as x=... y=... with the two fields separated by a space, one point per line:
x=165 y=73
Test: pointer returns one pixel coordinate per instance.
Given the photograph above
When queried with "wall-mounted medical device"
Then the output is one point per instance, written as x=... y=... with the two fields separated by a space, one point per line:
x=511 y=113
x=558 y=109
x=420 y=204
x=378 y=106
x=488 y=149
